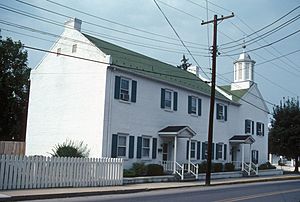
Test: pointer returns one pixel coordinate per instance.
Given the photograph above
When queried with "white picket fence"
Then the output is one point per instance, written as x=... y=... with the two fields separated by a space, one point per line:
x=22 y=172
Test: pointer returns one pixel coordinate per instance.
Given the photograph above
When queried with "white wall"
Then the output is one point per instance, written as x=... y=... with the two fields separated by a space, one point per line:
x=145 y=117
x=67 y=98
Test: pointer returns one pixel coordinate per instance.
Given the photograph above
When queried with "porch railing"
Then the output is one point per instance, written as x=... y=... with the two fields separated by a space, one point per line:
x=194 y=169
x=250 y=168
x=168 y=166
x=179 y=170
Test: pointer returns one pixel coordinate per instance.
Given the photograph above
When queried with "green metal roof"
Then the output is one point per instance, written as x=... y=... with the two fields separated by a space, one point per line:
x=149 y=67
x=236 y=94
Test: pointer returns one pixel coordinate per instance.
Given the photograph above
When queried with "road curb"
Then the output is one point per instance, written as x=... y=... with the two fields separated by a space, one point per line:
x=128 y=191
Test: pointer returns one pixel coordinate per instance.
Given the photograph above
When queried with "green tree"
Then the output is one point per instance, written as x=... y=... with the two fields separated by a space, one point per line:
x=14 y=88
x=70 y=149
x=284 y=136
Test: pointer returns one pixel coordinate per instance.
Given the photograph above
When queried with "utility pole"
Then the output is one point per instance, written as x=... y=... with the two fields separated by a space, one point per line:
x=212 y=94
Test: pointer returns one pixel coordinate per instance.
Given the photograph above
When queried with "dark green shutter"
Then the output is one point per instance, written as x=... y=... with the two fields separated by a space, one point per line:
x=133 y=91
x=117 y=87
x=203 y=150
x=131 y=147
x=256 y=162
x=213 y=151
x=225 y=151
x=217 y=111
x=225 y=108
x=187 y=149
x=246 y=122
x=139 y=148
x=162 y=98
x=263 y=129
x=114 y=146
x=189 y=104
x=199 y=107
x=198 y=150
x=252 y=127
x=154 y=147
x=257 y=124
x=175 y=101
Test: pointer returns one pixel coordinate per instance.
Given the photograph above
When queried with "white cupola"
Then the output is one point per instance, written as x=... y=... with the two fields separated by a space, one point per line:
x=243 y=72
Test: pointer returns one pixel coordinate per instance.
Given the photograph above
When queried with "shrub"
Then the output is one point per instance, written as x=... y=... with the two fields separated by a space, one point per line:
x=155 y=170
x=139 y=169
x=228 y=167
x=217 y=167
x=266 y=166
x=70 y=149
x=128 y=173
x=202 y=167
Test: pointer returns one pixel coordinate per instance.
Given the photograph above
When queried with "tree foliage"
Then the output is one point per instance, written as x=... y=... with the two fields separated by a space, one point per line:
x=284 y=136
x=14 y=88
x=70 y=149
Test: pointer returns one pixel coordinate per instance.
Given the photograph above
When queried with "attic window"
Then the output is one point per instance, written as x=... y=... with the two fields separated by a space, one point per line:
x=74 y=48
x=58 y=52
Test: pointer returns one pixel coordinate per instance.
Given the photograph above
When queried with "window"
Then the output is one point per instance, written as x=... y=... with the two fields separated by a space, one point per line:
x=249 y=126
x=58 y=52
x=193 y=149
x=168 y=99
x=247 y=71
x=259 y=128
x=221 y=112
x=194 y=105
x=219 y=151
x=254 y=156
x=240 y=71
x=125 y=89
x=74 y=48
x=204 y=150
x=146 y=147
x=121 y=149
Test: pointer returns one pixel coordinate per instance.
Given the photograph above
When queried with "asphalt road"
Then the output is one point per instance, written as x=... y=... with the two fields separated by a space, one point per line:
x=288 y=191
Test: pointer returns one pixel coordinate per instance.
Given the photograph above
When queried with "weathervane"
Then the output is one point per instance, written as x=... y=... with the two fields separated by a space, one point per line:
x=184 y=64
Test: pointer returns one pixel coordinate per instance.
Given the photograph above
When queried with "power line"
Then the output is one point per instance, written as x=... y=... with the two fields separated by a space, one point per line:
x=179 y=38
x=274 y=42
x=259 y=43
x=100 y=18
x=264 y=35
x=261 y=28
x=98 y=34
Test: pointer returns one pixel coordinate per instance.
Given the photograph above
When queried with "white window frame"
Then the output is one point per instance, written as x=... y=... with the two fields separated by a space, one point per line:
x=222 y=118
x=260 y=128
x=219 y=151
x=125 y=96
x=74 y=48
x=196 y=107
x=171 y=99
x=250 y=126
x=122 y=146
x=193 y=150
x=146 y=148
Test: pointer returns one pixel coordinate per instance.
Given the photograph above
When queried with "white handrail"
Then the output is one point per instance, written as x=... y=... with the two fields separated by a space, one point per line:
x=181 y=168
x=194 y=169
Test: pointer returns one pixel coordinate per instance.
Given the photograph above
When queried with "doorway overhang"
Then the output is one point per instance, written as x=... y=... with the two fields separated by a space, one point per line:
x=177 y=131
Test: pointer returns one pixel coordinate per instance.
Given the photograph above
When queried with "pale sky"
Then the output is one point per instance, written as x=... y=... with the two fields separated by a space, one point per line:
x=276 y=79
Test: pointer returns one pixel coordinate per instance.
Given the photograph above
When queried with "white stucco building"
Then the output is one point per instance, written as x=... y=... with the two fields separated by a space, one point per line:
x=124 y=104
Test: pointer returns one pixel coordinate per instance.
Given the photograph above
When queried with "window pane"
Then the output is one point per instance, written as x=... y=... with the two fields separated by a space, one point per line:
x=124 y=84
x=168 y=95
x=240 y=71
x=194 y=105
x=145 y=152
x=122 y=141
x=193 y=145
x=146 y=142
x=121 y=151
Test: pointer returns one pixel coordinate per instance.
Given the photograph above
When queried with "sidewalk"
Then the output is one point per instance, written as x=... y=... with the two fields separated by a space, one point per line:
x=30 y=194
